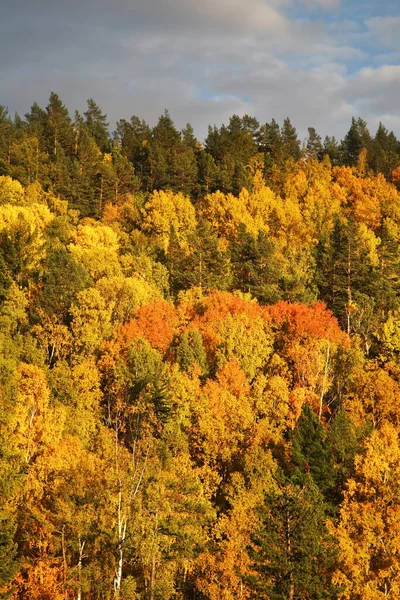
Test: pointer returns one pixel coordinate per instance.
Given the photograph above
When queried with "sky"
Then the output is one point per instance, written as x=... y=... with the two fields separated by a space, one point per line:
x=318 y=62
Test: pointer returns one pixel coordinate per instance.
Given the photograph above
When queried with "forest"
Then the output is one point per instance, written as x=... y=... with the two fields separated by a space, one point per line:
x=199 y=360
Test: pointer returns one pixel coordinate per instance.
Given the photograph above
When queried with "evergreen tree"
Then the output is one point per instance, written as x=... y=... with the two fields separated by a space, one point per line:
x=341 y=442
x=272 y=145
x=310 y=453
x=314 y=144
x=332 y=150
x=293 y=554
x=9 y=564
x=63 y=278
x=97 y=125
x=204 y=265
x=255 y=266
x=60 y=132
x=290 y=141
x=173 y=164
x=6 y=136
x=190 y=351
x=207 y=173
x=189 y=138
x=356 y=139
x=37 y=121
x=385 y=152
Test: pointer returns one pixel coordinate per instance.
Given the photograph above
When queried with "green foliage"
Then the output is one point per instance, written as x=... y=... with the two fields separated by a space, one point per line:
x=191 y=352
x=63 y=278
x=310 y=455
x=292 y=551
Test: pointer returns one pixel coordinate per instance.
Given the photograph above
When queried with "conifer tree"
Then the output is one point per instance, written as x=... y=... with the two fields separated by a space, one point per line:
x=97 y=125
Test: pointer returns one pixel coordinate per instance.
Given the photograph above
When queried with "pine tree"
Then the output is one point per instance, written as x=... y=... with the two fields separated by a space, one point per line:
x=60 y=130
x=97 y=125
x=290 y=141
x=292 y=552
x=356 y=139
x=6 y=136
x=332 y=150
x=314 y=144
x=310 y=453
x=385 y=152
x=272 y=145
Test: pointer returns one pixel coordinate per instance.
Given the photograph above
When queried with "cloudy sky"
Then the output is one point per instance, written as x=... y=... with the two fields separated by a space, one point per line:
x=317 y=61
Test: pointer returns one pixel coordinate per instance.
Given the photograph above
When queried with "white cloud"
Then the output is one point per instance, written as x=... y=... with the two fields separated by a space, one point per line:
x=202 y=60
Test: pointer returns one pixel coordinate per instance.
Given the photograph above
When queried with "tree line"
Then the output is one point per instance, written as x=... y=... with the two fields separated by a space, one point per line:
x=79 y=160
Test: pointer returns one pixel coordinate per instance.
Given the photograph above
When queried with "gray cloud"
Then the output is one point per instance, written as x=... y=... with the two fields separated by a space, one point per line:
x=202 y=60
x=323 y=4
x=385 y=31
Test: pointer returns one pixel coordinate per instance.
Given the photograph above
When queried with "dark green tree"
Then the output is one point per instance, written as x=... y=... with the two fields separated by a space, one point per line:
x=290 y=141
x=97 y=125
x=255 y=266
x=190 y=351
x=6 y=137
x=293 y=554
x=60 y=131
x=385 y=152
x=342 y=445
x=9 y=563
x=63 y=278
x=204 y=265
x=310 y=455
x=332 y=150
x=172 y=162
x=134 y=140
x=356 y=139
x=271 y=145
x=314 y=147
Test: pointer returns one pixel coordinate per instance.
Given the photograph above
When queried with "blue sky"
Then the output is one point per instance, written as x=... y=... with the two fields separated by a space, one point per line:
x=317 y=61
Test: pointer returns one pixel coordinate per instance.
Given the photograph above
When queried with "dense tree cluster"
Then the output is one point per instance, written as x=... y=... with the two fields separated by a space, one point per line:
x=77 y=158
x=199 y=361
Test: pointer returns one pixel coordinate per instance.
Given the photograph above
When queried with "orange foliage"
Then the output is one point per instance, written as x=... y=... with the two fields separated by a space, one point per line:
x=111 y=214
x=301 y=321
x=156 y=322
x=42 y=580
x=396 y=176
x=232 y=378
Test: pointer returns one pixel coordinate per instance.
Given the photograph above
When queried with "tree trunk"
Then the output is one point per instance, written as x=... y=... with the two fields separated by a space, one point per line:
x=348 y=288
x=122 y=522
x=64 y=554
x=81 y=547
x=154 y=562
x=289 y=553
x=321 y=400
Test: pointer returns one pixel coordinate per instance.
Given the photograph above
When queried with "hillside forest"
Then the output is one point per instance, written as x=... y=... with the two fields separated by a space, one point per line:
x=199 y=360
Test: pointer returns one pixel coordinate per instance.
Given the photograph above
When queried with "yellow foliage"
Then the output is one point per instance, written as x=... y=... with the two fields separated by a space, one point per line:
x=31 y=410
x=11 y=191
x=369 y=529
x=224 y=415
x=225 y=212
x=375 y=396
x=96 y=248
x=246 y=339
x=166 y=210
x=91 y=319
x=391 y=331
x=126 y=294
